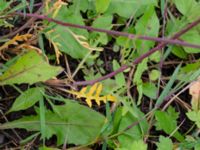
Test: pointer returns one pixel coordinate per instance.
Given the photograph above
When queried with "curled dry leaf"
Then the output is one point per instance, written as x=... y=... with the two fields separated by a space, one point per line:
x=195 y=93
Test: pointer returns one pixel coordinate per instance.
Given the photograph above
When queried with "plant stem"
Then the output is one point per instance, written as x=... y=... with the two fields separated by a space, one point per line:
x=139 y=59
x=110 y=32
x=164 y=41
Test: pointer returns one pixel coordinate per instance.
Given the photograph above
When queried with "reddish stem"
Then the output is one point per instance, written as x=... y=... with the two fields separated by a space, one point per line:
x=110 y=32
x=139 y=59
x=131 y=36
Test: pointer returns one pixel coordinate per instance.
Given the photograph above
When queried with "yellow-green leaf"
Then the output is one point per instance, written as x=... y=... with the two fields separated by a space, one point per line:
x=27 y=99
x=30 y=68
x=102 y=5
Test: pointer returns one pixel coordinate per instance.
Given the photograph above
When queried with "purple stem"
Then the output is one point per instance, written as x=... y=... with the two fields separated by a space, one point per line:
x=131 y=36
x=139 y=59
x=110 y=32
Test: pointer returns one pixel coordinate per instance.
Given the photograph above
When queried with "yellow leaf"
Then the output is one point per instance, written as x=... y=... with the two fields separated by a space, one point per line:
x=57 y=51
x=82 y=40
x=93 y=94
x=13 y=41
x=98 y=91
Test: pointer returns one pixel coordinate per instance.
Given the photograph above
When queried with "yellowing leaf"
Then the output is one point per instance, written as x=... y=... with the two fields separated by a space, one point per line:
x=93 y=94
x=57 y=51
x=15 y=40
x=195 y=93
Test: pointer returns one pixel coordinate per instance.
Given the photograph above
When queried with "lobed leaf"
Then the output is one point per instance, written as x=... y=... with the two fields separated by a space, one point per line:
x=93 y=94
x=165 y=143
x=167 y=121
x=77 y=124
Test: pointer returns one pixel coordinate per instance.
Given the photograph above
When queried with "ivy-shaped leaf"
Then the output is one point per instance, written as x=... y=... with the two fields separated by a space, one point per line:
x=93 y=94
x=30 y=68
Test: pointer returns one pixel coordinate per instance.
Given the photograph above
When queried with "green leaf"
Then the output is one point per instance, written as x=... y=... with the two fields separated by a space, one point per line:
x=102 y=22
x=42 y=119
x=184 y=6
x=125 y=41
x=137 y=132
x=139 y=145
x=190 y=67
x=120 y=79
x=4 y=5
x=79 y=5
x=168 y=87
x=154 y=75
x=68 y=39
x=175 y=25
x=189 y=143
x=139 y=71
x=27 y=99
x=76 y=127
x=189 y=8
x=70 y=46
x=155 y=56
x=193 y=37
x=179 y=52
x=137 y=78
x=190 y=72
x=29 y=138
x=48 y=148
x=148 y=25
x=128 y=8
x=29 y=68
x=102 y=5
x=164 y=143
x=140 y=93
x=166 y=121
x=197 y=147
x=194 y=116
x=150 y=90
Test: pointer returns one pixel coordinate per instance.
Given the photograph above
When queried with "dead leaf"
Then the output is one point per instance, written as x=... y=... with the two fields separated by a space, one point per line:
x=195 y=93
x=93 y=94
